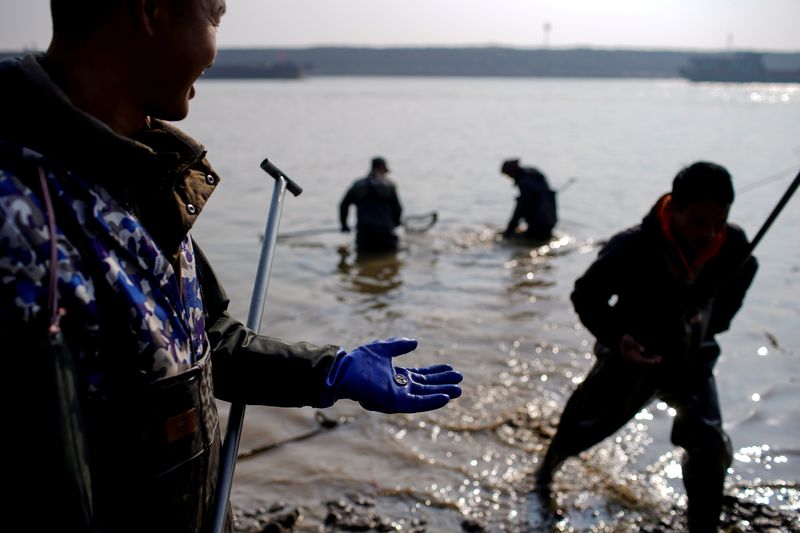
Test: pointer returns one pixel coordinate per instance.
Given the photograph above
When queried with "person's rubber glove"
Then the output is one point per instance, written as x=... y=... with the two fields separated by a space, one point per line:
x=367 y=376
x=345 y=229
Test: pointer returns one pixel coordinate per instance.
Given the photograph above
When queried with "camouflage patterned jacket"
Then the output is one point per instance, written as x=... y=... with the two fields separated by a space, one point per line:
x=119 y=405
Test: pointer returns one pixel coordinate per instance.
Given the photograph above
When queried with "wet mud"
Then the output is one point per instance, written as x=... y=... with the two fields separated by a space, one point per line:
x=481 y=452
x=361 y=513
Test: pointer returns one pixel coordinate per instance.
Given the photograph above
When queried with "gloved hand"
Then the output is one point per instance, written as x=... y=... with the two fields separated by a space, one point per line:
x=345 y=228
x=367 y=376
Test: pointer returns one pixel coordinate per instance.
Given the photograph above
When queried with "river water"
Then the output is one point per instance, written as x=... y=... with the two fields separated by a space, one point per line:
x=499 y=313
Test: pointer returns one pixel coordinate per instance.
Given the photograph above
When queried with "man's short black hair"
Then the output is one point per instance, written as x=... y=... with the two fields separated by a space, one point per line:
x=378 y=163
x=510 y=167
x=79 y=18
x=702 y=182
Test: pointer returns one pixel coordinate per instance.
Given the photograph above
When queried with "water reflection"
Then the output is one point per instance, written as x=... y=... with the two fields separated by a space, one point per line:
x=369 y=274
x=530 y=265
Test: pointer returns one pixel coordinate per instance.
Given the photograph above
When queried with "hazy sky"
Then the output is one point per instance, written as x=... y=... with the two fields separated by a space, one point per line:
x=681 y=24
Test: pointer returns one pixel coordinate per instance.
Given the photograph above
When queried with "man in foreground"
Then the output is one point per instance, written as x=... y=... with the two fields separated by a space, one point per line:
x=114 y=329
x=654 y=299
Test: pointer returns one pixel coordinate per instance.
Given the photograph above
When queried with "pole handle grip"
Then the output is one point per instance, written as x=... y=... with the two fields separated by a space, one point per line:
x=270 y=168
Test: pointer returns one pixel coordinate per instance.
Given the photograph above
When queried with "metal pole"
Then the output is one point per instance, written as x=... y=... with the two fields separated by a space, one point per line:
x=775 y=212
x=230 y=445
x=715 y=286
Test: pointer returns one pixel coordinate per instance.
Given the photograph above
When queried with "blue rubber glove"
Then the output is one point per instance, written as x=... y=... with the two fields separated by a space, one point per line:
x=367 y=376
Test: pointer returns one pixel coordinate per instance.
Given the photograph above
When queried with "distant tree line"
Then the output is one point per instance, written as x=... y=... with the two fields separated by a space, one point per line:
x=483 y=61
x=476 y=61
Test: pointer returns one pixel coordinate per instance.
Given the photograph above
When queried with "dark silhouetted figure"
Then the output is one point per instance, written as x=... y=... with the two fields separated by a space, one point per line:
x=536 y=203
x=654 y=299
x=378 y=210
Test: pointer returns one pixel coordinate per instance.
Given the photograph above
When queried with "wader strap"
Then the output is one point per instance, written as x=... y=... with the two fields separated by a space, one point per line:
x=52 y=292
x=69 y=416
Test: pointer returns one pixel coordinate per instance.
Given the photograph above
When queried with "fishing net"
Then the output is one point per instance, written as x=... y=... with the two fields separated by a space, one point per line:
x=419 y=223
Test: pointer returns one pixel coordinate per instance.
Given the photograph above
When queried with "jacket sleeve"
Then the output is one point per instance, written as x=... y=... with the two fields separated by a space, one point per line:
x=344 y=207
x=729 y=300
x=516 y=216
x=397 y=209
x=256 y=369
x=593 y=293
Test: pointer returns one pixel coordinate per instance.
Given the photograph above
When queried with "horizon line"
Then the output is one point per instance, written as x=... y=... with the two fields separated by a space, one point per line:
x=484 y=46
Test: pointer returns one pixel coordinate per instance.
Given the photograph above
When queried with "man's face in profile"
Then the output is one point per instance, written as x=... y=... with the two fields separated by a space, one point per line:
x=184 y=46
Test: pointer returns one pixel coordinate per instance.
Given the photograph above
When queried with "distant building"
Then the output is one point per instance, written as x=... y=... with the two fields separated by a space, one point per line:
x=741 y=67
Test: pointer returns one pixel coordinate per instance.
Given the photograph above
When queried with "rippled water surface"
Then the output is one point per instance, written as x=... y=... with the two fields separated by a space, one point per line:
x=498 y=312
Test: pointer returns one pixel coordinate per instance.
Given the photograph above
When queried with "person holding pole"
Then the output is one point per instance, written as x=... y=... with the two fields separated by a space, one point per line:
x=655 y=299
x=114 y=329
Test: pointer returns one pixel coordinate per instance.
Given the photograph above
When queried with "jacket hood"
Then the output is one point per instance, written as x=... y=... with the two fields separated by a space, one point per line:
x=37 y=114
x=650 y=222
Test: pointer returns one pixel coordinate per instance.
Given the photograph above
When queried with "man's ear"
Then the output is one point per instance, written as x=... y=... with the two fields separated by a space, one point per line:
x=148 y=14
x=671 y=208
